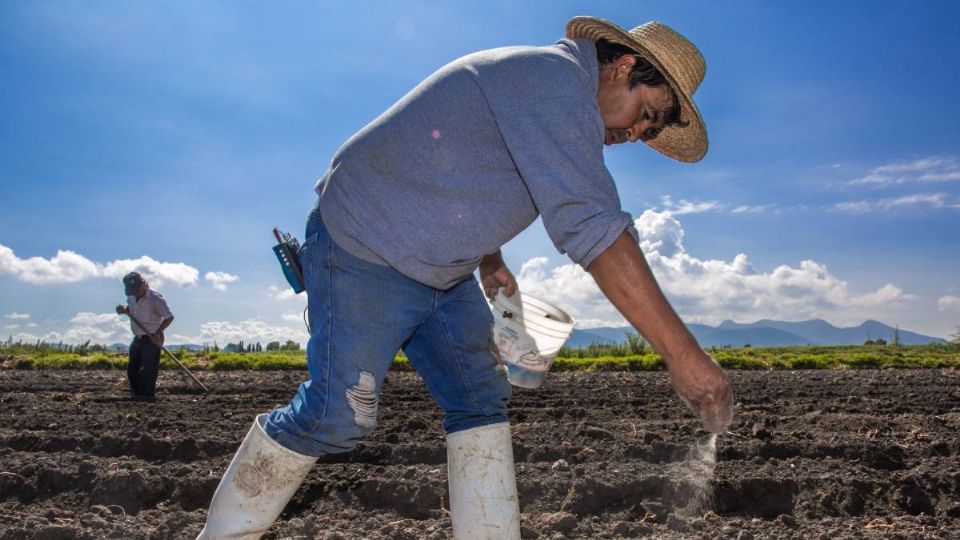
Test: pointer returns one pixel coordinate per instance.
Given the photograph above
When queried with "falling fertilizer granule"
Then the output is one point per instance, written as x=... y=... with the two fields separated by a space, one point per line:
x=695 y=495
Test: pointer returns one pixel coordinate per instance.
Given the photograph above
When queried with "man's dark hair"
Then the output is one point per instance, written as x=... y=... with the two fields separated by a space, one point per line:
x=643 y=72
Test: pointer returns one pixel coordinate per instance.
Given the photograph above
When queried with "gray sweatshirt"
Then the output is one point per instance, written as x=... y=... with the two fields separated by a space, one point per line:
x=470 y=157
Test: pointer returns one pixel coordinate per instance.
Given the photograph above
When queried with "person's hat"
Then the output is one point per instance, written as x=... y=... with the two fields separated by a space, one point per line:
x=132 y=283
x=680 y=63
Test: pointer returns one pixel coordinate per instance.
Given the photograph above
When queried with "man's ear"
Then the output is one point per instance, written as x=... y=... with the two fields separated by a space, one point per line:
x=624 y=65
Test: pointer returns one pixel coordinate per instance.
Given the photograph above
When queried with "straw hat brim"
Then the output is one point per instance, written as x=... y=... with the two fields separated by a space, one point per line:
x=688 y=144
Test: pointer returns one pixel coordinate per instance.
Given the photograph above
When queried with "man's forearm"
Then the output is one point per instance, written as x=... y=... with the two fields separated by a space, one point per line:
x=164 y=324
x=622 y=273
x=624 y=276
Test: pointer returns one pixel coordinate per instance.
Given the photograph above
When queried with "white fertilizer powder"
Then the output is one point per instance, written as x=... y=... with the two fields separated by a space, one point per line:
x=695 y=495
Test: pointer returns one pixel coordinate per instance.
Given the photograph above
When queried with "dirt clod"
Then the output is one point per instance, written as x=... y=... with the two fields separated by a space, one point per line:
x=558 y=522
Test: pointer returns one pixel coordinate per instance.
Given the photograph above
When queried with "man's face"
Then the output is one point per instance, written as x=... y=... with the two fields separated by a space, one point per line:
x=630 y=114
x=140 y=291
x=642 y=117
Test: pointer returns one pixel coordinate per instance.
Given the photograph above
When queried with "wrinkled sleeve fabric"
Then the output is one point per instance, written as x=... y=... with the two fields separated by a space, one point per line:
x=557 y=147
x=161 y=308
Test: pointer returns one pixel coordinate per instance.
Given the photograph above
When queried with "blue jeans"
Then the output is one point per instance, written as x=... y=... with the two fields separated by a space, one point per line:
x=360 y=315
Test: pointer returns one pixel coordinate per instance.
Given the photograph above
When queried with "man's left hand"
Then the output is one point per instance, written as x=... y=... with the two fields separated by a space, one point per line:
x=157 y=339
x=494 y=275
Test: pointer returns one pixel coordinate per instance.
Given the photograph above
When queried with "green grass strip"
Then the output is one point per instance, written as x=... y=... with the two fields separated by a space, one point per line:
x=746 y=358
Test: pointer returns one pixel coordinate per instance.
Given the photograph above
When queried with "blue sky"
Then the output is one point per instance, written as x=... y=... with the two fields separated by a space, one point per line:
x=171 y=137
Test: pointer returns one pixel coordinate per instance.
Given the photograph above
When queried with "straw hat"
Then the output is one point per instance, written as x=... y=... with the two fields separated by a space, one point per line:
x=680 y=63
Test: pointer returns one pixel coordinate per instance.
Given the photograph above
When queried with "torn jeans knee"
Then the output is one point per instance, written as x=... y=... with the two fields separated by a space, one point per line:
x=362 y=399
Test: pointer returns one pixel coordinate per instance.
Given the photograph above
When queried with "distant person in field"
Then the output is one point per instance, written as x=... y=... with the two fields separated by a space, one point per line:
x=425 y=195
x=150 y=309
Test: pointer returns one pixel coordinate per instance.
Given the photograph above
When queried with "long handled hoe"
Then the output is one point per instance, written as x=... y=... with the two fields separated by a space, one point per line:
x=170 y=354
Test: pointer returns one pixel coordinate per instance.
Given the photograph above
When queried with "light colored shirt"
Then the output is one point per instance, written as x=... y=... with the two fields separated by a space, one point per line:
x=470 y=158
x=150 y=311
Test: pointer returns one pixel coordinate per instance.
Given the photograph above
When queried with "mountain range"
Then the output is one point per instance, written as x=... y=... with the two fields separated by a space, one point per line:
x=767 y=333
x=763 y=333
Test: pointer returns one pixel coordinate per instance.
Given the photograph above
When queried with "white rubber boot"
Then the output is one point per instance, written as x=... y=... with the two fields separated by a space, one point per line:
x=256 y=487
x=483 y=484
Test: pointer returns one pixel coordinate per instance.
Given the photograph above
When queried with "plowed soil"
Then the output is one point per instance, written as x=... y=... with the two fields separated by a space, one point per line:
x=814 y=454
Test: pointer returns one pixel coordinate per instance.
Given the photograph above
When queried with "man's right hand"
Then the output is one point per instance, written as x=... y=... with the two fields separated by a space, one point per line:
x=121 y=309
x=495 y=275
x=703 y=386
x=625 y=278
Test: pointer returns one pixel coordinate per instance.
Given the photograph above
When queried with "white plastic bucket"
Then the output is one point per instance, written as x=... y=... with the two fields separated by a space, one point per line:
x=528 y=333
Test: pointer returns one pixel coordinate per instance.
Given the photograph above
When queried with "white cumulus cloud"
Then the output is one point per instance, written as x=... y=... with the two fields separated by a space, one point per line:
x=572 y=289
x=102 y=328
x=285 y=293
x=17 y=316
x=292 y=316
x=86 y=318
x=155 y=272
x=27 y=337
x=180 y=339
x=219 y=280
x=70 y=267
x=98 y=328
x=949 y=302
x=64 y=267
x=711 y=290
x=249 y=331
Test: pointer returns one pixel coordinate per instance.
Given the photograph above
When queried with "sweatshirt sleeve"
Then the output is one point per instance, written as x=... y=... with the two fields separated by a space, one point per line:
x=557 y=147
